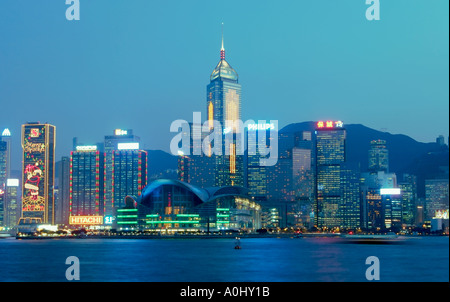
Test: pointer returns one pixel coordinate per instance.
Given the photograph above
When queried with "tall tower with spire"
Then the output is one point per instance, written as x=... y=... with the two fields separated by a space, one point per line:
x=223 y=101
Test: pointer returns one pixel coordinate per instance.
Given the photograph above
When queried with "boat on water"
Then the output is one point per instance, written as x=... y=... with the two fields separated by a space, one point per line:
x=6 y=236
x=371 y=238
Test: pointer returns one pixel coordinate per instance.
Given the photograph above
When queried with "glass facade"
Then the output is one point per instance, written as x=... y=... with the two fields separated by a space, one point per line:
x=378 y=156
x=129 y=174
x=224 y=105
x=110 y=145
x=12 y=203
x=330 y=155
x=86 y=183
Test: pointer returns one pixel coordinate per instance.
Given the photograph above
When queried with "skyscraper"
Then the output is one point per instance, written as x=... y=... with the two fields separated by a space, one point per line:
x=38 y=143
x=408 y=187
x=110 y=145
x=129 y=172
x=256 y=173
x=12 y=203
x=224 y=106
x=6 y=138
x=378 y=156
x=86 y=182
x=62 y=184
x=3 y=164
x=330 y=155
x=351 y=196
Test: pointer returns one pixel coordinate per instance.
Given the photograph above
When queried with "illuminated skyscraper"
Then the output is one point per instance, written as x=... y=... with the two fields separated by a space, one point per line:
x=62 y=185
x=224 y=104
x=12 y=203
x=111 y=142
x=330 y=155
x=86 y=182
x=196 y=168
x=408 y=187
x=129 y=172
x=378 y=156
x=256 y=173
x=38 y=143
x=3 y=164
x=5 y=155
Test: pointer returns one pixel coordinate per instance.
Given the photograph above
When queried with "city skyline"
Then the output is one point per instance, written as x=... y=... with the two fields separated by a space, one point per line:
x=124 y=64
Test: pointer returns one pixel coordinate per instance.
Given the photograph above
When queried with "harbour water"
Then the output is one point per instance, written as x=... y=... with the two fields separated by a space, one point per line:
x=414 y=259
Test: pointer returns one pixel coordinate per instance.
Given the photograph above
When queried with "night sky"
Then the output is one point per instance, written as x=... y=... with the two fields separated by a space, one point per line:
x=141 y=64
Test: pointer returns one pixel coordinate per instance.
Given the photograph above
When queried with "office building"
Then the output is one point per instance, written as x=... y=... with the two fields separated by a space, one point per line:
x=38 y=144
x=408 y=187
x=110 y=145
x=62 y=185
x=259 y=142
x=11 y=203
x=351 y=196
x=330 y=155
x=5 y=155
x=129 y=173
x=86 y=182
x=224 y=106
x=436 y=197
x=378 y=156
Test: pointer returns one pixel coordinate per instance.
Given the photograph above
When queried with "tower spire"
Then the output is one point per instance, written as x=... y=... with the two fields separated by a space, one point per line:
x=222 y=50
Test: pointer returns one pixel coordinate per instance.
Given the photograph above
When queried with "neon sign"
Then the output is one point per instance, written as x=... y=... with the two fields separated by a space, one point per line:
x=128 y=146
x=108 y=219
x=264 y=126
x=33 y=147
x=330 y=124
x=120 y=132
x=6 y=132
x=34 y=132
x=12 y=182
x=86 y=148
x=390 y=191
x=86 y=220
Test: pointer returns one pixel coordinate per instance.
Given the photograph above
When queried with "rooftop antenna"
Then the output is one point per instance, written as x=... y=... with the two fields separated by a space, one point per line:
x=222 y=50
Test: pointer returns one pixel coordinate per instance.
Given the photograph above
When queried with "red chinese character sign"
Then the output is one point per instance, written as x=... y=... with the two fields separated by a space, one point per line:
x=329 y=124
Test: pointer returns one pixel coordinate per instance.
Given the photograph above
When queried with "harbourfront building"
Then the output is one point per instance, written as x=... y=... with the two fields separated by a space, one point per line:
x=129 y=173
x=38 y=143
x=110 y=145
x=11 y=203
x=174 y=206
x=5 y=156
x=62 y=189
x=86 y=182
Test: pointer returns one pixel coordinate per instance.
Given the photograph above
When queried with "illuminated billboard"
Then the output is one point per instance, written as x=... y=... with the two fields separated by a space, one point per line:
x=390 y=191
x=329 y=124
x=38 y=142
x=86 y=148
x=128 y=146
x=86 y=220
x=120 y=132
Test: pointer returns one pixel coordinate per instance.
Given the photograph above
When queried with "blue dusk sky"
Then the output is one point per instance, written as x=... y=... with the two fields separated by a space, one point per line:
x=141 y=64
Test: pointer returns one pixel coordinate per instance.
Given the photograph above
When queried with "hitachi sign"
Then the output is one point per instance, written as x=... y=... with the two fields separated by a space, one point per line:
x=84 y=220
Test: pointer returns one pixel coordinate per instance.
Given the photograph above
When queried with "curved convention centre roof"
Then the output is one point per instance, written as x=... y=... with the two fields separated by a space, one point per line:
x=203 y=194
